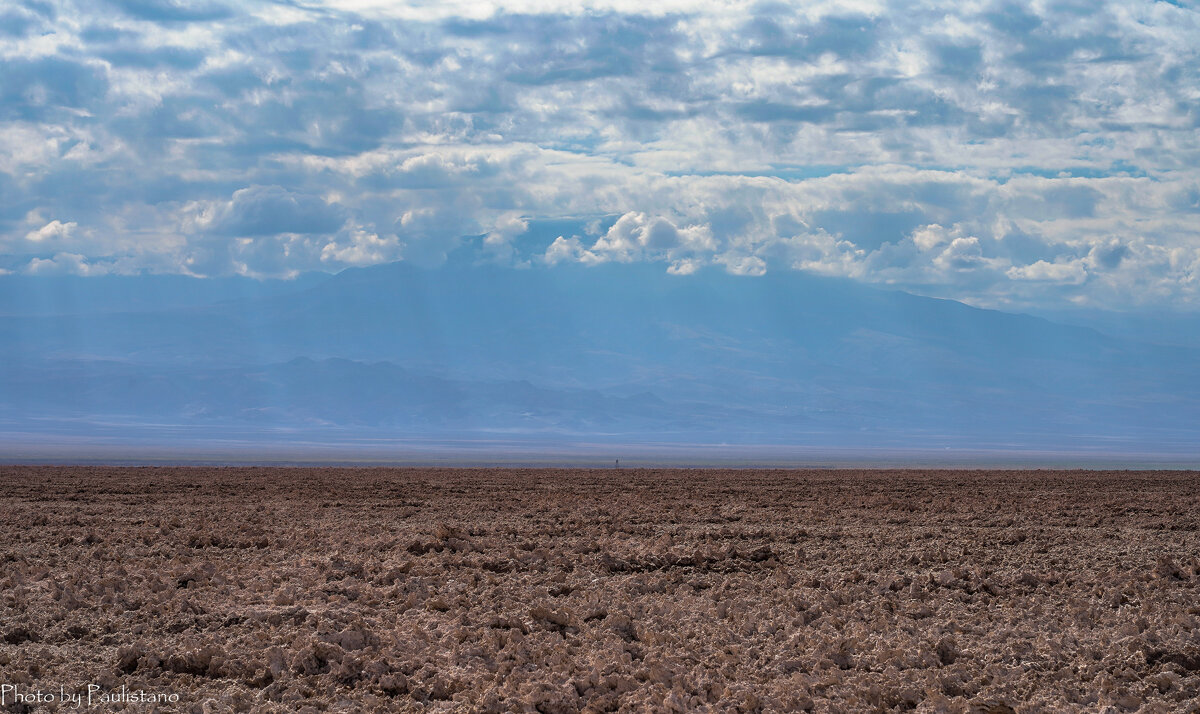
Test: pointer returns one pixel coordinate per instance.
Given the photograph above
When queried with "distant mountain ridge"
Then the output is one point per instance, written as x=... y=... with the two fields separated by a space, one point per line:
x=610 y=351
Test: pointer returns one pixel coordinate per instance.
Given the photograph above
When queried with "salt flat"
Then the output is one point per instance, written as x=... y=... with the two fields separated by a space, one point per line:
x=325 y=589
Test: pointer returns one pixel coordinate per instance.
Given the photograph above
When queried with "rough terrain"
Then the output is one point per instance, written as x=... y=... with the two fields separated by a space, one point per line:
x=254 y=589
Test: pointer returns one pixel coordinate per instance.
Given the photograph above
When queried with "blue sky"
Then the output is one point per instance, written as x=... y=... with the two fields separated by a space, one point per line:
x=1037 y=155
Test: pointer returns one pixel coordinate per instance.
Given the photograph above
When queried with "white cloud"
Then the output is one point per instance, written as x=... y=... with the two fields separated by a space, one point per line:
x=506 y=228
x=1070 y=272
x=638 y=236
x=743 y=264
x=54 y=230
x=27 y=146
x=684 y=266
x=360 y=247
x=624 y=240
x=961 y=254
x=65 y=264
x=569 y=250
x=926 y=238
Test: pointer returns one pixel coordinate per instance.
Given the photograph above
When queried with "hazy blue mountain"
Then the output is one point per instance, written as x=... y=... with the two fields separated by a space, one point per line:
x=72 y=295
x=621 y=352
x=1163 y=327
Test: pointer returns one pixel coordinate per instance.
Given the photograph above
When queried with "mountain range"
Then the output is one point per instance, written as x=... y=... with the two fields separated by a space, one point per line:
x=620 y=353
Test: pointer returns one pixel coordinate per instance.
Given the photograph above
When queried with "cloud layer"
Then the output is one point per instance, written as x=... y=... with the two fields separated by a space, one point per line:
x=1004 y=154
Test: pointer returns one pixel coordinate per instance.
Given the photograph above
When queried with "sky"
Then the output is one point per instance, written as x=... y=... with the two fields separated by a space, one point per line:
x=1012 y=155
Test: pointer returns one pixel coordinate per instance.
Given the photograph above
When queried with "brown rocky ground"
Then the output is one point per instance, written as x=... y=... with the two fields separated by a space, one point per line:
x=255 y=589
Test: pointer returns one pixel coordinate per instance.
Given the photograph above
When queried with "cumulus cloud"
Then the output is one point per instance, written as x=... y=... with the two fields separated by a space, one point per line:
x=51 y=231
x=743 y=264
x=569 y=250
x=638 y=236
x=431 y=232
x=929 y=237
x=961 y=254
x=685 y=266
x=359 y=247
x=989 y=152
x=65 y=264
x=498 y=241
x=1071 y=272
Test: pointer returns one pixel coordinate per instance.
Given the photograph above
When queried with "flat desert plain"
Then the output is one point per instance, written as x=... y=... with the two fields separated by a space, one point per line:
x=496 y=590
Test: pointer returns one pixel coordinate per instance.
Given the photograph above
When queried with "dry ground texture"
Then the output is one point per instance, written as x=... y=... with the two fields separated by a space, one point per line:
x=251 y=589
